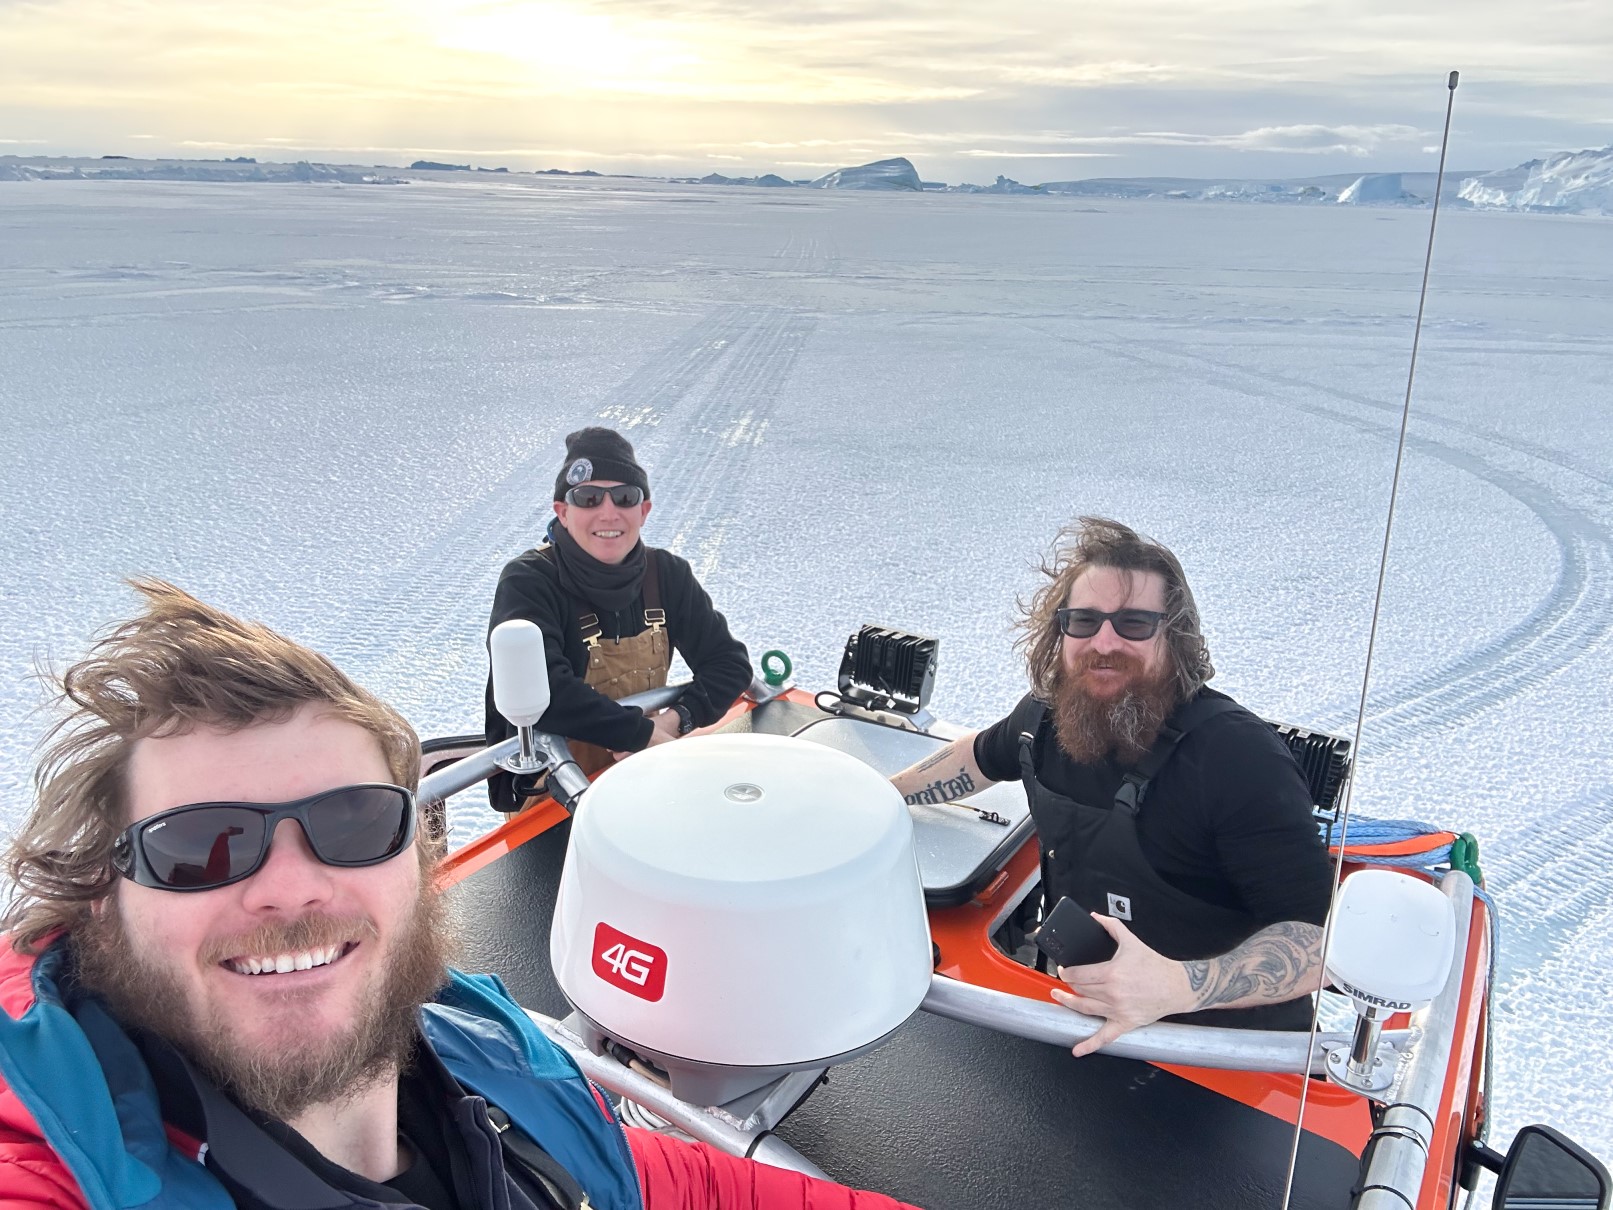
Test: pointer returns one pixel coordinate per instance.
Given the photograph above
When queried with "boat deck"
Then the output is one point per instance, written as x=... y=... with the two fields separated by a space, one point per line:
x=950 y=1116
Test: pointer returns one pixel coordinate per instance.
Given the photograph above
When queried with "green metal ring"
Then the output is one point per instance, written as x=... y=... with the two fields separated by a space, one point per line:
x=776 y=667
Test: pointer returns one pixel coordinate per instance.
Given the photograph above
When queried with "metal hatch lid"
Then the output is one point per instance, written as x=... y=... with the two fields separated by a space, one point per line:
x=958 y=852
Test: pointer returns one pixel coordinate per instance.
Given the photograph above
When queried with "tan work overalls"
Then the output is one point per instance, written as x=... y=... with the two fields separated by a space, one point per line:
x=621 y=667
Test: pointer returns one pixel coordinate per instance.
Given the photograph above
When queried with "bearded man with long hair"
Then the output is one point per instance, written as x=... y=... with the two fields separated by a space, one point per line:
x=1175 y=816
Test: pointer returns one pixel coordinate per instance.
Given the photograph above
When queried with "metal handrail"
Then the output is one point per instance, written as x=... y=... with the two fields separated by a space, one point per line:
x=479 y=766
x=1189 y=1045
x=1402 y=1141
x=711 y=1126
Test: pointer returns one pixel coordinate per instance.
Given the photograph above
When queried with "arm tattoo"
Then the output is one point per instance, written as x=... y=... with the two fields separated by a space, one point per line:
x=934 y=758
x=944 y=789
x=1278 y=963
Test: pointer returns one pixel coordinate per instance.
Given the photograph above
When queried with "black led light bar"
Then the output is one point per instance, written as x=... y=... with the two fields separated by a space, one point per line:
x=1323 y=759
x=886 y=669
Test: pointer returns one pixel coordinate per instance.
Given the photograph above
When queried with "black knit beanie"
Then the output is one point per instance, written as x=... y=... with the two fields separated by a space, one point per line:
x=595 y=453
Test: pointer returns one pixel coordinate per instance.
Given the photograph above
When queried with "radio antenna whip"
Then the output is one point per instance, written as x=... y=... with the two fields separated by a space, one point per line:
x=1377 y=605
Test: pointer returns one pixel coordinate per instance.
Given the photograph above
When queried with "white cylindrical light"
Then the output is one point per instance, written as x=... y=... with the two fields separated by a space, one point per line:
x=520 y=671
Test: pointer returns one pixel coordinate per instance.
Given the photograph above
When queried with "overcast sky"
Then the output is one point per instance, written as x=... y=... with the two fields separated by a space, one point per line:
x=1039 y=90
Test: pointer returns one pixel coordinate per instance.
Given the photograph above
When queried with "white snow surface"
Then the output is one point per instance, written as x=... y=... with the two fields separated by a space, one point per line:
x=1572 y=182
x=339 y=410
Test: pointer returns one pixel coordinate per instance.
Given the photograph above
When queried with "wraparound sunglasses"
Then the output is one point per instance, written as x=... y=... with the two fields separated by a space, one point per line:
x=211 y=844
x=592 y=495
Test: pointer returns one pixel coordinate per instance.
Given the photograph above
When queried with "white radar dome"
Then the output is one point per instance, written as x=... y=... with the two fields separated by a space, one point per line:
x=742 y=902
x=1393 y=940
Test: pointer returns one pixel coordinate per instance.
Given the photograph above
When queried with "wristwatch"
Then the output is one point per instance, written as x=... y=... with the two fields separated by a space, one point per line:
x=685 y=718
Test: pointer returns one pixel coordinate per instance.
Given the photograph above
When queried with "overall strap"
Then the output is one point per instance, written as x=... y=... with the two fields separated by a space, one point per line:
x=1027 y=741
x=588 y=625
x=560 y=1189
x=654 y=615
x=1134 y=783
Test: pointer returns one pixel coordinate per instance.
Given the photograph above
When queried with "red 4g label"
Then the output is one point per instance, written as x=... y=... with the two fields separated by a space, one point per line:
x=635 y=966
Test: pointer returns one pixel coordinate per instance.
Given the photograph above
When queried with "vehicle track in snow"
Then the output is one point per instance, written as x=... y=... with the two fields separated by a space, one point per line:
x=699 y=459
x=1551 y=872
x=1572 y=618
x=718 y=423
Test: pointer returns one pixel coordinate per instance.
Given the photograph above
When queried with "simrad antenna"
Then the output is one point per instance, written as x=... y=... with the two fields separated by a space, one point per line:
x=1377 y=605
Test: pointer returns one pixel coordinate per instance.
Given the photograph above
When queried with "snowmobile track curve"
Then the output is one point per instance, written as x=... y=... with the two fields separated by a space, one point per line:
x=1575 y=614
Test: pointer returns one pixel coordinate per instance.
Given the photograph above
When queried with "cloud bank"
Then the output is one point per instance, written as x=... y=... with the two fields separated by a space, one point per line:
x=1184 y=86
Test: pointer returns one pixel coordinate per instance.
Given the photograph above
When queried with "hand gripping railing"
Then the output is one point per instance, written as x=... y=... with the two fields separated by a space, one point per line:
x=1190 y=1045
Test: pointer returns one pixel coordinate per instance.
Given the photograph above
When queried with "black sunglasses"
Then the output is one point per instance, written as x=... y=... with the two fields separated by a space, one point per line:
x=1133 y=624
x=592 y=495
x=212 y=844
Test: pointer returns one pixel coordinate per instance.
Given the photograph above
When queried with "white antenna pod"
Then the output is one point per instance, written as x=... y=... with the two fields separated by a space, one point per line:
x=520 y=684
x=520 y=672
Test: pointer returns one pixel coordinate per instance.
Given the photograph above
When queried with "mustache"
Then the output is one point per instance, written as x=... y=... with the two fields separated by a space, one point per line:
x=282 y=936
x=1112 y=659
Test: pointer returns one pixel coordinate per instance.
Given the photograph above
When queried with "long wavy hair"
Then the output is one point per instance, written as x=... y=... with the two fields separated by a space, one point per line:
x=180 y=665
x=1091 y=542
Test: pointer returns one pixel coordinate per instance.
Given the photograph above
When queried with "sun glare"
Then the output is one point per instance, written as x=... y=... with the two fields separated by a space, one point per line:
x=565 y=45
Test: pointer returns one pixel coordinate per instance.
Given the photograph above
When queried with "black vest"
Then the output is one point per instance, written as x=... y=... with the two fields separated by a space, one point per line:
x=1090 y=853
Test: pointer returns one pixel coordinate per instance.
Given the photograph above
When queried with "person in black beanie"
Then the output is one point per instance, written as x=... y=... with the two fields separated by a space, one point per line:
x=612 y=611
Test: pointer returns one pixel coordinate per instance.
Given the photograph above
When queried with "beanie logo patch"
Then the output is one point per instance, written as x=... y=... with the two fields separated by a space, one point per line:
x=579 y=471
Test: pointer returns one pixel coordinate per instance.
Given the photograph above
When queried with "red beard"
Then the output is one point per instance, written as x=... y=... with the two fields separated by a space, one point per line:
x=1123 y=722
x=281 y=1085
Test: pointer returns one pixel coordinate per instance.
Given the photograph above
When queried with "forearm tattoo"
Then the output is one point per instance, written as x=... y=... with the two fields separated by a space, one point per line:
x=944 y=789
x=1276 y=964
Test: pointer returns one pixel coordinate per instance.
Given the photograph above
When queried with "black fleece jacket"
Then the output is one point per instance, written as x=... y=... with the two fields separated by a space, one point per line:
x=529 y=588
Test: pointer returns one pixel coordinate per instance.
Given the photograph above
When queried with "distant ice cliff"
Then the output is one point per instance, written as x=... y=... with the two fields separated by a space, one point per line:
x=13 y=168
x=1570 y=182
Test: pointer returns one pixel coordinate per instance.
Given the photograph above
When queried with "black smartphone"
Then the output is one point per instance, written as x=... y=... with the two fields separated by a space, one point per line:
x=1071 y=937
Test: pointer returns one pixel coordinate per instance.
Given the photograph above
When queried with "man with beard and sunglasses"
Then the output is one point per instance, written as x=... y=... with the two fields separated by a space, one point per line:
x=224 y=979
x=1175 y=816
x=612 y=611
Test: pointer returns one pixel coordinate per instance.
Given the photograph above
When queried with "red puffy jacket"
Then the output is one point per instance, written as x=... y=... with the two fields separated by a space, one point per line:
x=682 y=1176
x=673 y=1175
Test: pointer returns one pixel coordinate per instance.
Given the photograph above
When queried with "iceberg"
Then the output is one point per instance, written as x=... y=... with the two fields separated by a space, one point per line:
x=121 y=168
x=766 y=181
x=1003 y=185
x=1570 y=182
x=1377 y=189
x=897 y=173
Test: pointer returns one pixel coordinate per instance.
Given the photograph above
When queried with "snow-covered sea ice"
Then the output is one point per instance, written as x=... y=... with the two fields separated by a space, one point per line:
x=339 y=408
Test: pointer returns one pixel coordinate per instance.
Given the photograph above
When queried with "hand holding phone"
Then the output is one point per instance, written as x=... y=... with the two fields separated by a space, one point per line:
x=1071 y=937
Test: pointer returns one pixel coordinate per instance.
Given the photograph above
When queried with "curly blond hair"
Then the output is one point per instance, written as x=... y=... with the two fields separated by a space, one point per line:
x=181 y=664
x=1089 y=542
